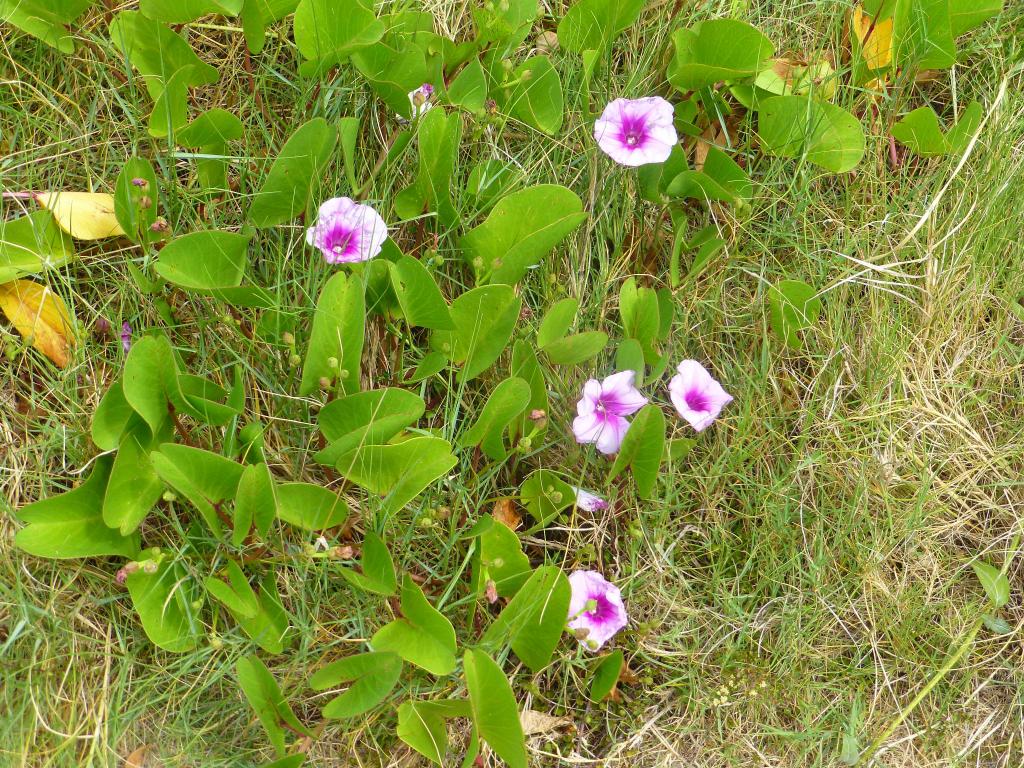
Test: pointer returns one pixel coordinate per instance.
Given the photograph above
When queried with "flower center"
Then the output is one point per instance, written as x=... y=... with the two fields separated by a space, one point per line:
x=602 y=609
x=632 y=138
x=340 y=240
x=697 y=400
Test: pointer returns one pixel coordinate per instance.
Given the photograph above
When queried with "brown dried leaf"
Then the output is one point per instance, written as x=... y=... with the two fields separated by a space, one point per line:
x=534 y=722
x=505 y=513
x=40 y=316
x=141 y=758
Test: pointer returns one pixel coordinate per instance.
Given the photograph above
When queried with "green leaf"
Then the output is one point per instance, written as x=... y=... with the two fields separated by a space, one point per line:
x=399 y=472
x=792 y=306
x=642 y=450
x=366 y=418
x=111 y=418
x=423 y=636
x=372 y=676
x=641 y=316
x=469 y=88
x=204 y=478
x=545 y=494
x=257 y=15
x=996 y=584
x=922 y=34
x=802 y=127
x=378 y=569
x=163 y=595
x=269 y=628
x=438 y=137
x=421 y=725
x=722 y=179
x=501 y=554
x=494 y=708
x=133 y=487
x=526 y=366
x=264 y=696
x=157 y=53
x=576 y=348
x=255 y=503
x=508 y=400
x=965 y=15
x=484 y=319
x=45 y=20
x=606 y=675
x=630 y=357
x=293 y=181
x=534 y=620
x=394 y=71
x=238 y=597
x=537 y=99
x=147 y=371
x=592 y=25
x=522 y=229
x=338 y=332
x=32 y=244
x=418 y=295
x=130 y=208
x=70 y=524
x=178 y=11
x=209 y=402
x=327 y=32
x=718 y=49
x=557 y=321
x=310 y=507
x=204 y=260
x=921 y=131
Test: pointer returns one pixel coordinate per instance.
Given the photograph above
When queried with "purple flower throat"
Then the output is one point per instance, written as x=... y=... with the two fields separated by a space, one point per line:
x=633 y=131
x=342 y=241
x=603 y=609
x=697 y=400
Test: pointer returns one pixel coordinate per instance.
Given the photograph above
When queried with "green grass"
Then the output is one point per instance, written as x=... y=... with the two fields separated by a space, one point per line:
x=803 y=573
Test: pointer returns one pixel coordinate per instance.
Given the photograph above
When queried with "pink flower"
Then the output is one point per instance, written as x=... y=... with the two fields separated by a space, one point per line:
x=697 y=396
x=596 y=610
x=588 y=502
x=347 y=231
x=126 y=337
x=421 y=100
x=637 y=131
x=602 y=408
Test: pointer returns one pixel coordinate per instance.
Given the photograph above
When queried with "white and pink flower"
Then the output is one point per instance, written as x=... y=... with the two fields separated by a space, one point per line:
x=637 y=131
x=588 y=501
x=596 y=610
x=603 y=408
x=346 y=231
x=696 y=394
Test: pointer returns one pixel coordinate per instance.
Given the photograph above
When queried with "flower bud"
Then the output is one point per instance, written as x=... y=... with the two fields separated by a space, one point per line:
x=169 y=497
x=325 y=383
x=145 y=202
x=287 y=338
x=294 y=360
x=150 y=567
x=332 y=362
x=140 y=183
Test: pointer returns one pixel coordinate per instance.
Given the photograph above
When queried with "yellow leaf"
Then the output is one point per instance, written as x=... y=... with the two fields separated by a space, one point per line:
x=40 y=316
x=875 y=39
x=83 y=215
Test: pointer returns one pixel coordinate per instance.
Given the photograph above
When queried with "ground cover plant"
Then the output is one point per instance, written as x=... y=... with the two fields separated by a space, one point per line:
x=500 y=383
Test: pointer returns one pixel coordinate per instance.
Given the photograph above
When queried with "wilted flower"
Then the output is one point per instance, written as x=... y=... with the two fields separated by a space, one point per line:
x=637 y=131
x=595 y=608
x=421 y=99
x=347 y=231
x=602 y=410
x=588 y=502
x=126 y=337
x=696 y=394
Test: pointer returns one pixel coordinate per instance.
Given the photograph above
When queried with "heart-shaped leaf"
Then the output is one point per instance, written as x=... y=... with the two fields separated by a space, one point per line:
x=592 y=25
x=366 y=418
x=264 y=696
x=70 y=524
x=606 y=676
x=642 y=450
x=484 y=319
x=421 y=725
x=803 y=127
x=423 y=636
x=545 y=494
x=792 y=306
x=418 y=295
x=337 y=336
x=715 y=50
x=255 y=503
x=996 y=584
x=204 y=260
x=398 y=472
x=520 y=231
x=508 y=400
x=537 y=99
x=327 y=32
x=163 y=595
x=378 y=569
x=134 y=487
x=372 y=676
x=494 y=708
x=310 y=507
x=206 y=479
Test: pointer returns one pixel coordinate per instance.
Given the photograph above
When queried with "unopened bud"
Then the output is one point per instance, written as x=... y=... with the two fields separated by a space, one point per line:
x=325 y=383
x=294 y=360
x=150 y=567
x=216 y=643
x=332 y=362
x=140 y=183
x=145 y=202
x=169 y=496
x=102 y=326
x=537 y=414
x=343 y=373
x=287 y=338
x=160 y=225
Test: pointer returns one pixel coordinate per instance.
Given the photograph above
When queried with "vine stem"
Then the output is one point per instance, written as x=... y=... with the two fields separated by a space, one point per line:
x=18 y=195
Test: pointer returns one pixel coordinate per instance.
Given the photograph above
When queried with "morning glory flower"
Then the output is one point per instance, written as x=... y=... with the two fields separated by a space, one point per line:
x=696 y=394
x=596 y=610
x=637 y=131
x=603 y=408
x=347 y=231
x=421 y=99
x=588 y=502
